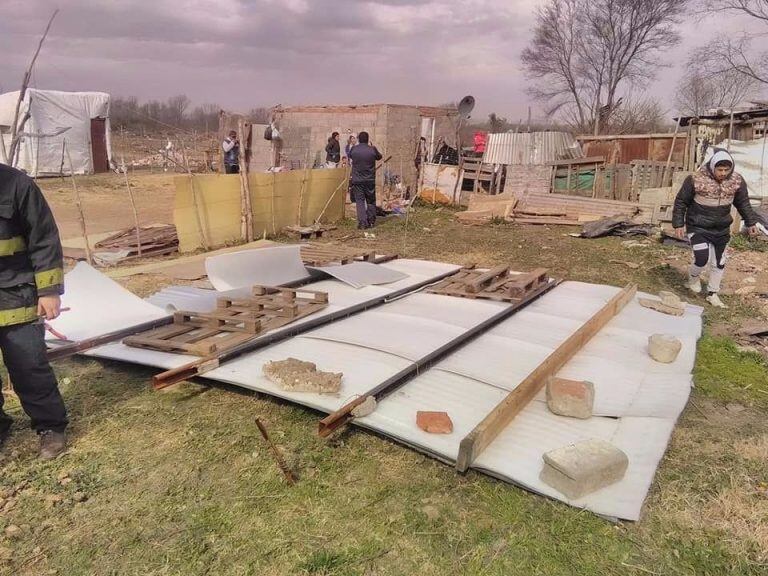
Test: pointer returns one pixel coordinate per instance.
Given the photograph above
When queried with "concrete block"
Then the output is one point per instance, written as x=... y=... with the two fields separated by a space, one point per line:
x=570 y=397
x=583 y=468
x=668 y=303
x=664 y=348
x=434 y=422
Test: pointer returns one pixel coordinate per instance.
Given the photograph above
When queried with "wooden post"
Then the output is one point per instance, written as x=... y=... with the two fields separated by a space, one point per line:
x=246 y=213
x=195 y=205
x=88 y=255
x=18 y=126
x=500 y=417
x=133 y=207
x=301 y=189
x=730 y=132
x=671 y=150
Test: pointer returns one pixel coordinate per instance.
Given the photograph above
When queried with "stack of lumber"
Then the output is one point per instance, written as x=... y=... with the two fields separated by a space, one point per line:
x=555 y=209
x=151 y=241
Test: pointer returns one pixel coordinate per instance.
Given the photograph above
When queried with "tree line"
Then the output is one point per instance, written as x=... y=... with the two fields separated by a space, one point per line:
x=175 y=113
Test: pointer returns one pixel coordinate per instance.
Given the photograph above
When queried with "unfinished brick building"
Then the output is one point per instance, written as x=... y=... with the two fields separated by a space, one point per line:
x=394 y=130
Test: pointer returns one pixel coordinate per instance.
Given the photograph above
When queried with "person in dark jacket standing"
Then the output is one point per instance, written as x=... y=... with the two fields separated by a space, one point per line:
x=363 y=180
x=231 y=148
x=333 y=151
x=31 y=282
x=702 y=211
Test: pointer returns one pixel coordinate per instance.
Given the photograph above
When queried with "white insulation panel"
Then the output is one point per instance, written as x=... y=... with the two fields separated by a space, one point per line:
x=637 y=400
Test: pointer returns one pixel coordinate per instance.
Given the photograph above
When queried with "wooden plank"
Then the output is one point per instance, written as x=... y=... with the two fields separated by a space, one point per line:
x=499 y=418
x=547 y=221
x=476 y=284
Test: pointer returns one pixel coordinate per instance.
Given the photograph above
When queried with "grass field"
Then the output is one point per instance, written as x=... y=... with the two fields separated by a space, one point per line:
x=179 y=482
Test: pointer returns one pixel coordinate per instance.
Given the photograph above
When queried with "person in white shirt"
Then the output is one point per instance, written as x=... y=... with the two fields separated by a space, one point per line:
x=231 y=148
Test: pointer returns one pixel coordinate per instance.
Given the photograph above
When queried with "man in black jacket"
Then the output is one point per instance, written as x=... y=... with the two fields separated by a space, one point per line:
x=31 y=281
x=333 y=151
x=702 y=211
x=363 y=180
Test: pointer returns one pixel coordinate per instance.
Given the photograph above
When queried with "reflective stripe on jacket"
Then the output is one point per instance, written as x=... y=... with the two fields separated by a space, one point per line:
x=31 y=262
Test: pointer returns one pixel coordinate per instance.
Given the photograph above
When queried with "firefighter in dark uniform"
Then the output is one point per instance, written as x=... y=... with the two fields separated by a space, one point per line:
x=31 y=281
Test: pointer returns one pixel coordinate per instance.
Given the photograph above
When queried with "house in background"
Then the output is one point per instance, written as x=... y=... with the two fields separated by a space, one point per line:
x=79 y=119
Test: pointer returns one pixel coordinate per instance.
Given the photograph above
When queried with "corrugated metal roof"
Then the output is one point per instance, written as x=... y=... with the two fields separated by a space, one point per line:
x=531 y=148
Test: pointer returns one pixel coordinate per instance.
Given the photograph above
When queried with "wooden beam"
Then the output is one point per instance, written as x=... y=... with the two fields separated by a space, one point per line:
x=498 y=419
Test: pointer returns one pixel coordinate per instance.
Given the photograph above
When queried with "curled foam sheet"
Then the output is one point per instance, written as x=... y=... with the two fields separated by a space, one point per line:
x=359 y=274
x=271 y=266
x=99 y=305
x=340 y=296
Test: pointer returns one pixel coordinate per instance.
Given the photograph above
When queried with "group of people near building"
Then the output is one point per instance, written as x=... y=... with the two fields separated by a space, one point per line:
x=333 y=156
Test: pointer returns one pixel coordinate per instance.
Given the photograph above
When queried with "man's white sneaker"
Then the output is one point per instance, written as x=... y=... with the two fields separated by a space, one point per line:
x=694 y=284
x=715 y=301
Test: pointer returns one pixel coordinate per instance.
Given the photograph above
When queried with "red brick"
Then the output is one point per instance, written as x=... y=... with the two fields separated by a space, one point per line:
x=434 y=422
x=570 y=397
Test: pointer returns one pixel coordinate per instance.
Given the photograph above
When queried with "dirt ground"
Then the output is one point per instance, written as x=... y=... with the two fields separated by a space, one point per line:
x=180 y=482
x=105 y=201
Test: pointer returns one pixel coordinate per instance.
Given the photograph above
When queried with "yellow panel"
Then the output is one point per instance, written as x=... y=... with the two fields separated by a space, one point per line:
x=275 y=200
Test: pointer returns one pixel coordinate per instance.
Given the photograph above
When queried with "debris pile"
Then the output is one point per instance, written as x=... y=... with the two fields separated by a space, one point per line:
x=298 y=376
x=126 y=244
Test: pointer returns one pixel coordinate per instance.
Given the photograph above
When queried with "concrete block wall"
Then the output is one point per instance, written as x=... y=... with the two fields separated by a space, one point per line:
x=320 y=125
x=403 y=132
x=394 y=130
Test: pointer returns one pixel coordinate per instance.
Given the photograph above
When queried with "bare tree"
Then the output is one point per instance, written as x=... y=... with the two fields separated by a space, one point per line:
x=641 y=115
x=707 y=84
x=177 y=109
x=497 y=124
x=259 y=115
x=586 y=52
x=739 y=52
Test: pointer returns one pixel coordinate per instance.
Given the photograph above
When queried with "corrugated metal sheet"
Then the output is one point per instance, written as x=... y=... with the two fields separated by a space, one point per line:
x=531 y=148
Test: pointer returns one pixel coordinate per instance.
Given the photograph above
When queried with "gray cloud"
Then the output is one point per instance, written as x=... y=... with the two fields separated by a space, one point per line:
x=254 y=52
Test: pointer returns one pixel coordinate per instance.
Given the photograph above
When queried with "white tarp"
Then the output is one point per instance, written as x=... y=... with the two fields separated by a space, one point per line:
x=751 y=157
x=55 y=117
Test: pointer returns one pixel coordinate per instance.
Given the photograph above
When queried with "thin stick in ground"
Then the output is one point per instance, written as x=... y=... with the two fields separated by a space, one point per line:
x=195 y=205
x=88 y=255
x=289 y=476
x=18 y=126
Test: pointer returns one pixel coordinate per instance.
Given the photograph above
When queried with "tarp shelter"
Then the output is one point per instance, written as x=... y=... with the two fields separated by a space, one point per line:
x=751 y=158
x=81 y=119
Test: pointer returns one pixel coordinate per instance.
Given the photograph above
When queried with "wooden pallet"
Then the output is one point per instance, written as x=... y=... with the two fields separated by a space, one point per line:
x=233 y=322
x=306 y=232
x=325 y=254
x=495 y=284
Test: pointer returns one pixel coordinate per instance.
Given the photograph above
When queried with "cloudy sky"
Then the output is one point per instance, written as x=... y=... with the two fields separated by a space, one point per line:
x=246 y=53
